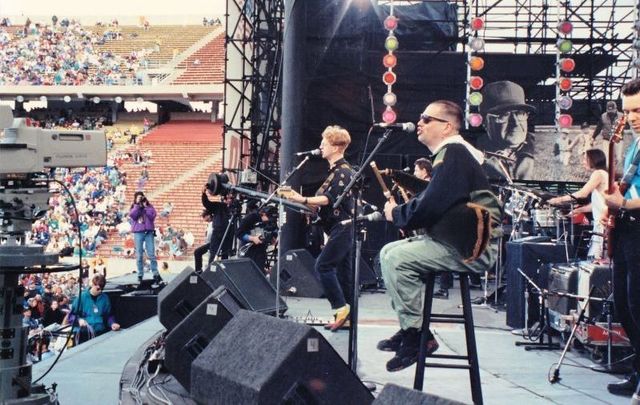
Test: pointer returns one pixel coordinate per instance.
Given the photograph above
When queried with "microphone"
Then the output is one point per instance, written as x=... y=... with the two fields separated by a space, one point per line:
x=403 y=126
x=373 y=217
x=314 y=152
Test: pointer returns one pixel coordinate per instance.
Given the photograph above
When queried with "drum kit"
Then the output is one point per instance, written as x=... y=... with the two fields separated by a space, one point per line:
x=527 y=206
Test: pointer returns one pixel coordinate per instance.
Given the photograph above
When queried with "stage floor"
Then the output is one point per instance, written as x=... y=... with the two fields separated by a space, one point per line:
x=91 y=372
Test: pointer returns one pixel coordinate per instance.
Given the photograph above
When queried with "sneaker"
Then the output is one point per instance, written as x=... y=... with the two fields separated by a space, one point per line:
x=392 y=344
x=139 y=279
x=341 y=317
x=442 y=294
x=407 y=354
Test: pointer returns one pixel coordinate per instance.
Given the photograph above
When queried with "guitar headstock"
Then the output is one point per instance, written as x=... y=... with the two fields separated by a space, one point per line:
x=617 y=133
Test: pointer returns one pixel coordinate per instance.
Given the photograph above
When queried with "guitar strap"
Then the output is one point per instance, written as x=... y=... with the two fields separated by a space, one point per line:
x=633 y=167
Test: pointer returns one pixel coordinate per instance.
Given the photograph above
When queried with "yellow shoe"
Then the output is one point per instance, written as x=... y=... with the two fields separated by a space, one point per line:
x=342 y=314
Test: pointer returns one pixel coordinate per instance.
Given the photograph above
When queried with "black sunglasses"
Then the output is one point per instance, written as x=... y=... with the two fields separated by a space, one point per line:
x=427 y=119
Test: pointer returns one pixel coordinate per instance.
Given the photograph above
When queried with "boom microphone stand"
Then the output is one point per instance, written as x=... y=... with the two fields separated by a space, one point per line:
x=353 y=330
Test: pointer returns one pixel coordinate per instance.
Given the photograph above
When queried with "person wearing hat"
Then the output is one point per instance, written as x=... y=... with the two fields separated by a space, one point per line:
x=605 y=128
x=201 y=250
x=505 y=114
x=256 y=231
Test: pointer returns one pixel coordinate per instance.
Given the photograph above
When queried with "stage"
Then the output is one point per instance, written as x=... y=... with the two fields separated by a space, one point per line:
x=91 y=373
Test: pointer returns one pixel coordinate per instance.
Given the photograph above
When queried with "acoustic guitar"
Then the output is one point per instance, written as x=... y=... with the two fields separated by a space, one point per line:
x=611 y=219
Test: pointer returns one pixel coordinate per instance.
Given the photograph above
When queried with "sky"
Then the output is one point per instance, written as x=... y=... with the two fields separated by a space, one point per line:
x=111 y=7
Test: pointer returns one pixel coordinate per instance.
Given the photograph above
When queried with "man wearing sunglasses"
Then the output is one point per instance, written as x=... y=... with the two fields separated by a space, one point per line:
x=456 y=179
x=505 y=116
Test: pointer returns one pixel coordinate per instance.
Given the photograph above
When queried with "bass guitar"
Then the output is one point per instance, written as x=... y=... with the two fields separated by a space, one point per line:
x=611 y=219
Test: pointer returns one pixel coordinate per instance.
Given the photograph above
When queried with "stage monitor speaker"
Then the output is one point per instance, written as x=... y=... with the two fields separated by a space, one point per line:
x=368 y=277
x=134 y=307
x=297 y=275
x=393 y=394
x=528 y=257
x=597 y=276
x=191 y=336
x=247 y=283
x=181 y=296
x=259 y=359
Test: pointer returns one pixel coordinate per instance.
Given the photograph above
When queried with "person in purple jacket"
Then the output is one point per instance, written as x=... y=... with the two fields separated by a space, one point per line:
x=143 y=215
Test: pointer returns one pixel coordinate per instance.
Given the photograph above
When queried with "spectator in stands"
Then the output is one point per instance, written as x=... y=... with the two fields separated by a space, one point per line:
x=28 y=321
x=53 y=314
x=93 y=309
x=167 y=209
x=143 y=215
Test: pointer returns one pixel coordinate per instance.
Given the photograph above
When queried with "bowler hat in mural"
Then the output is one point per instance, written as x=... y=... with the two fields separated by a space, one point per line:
x=498 y=97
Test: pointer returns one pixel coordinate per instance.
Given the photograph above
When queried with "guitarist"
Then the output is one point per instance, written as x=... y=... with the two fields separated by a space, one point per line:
x=334 y=262
x=457 y=179
x=625 y=199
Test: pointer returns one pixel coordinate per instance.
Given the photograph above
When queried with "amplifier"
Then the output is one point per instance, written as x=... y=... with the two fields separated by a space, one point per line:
x=598 y=334
x=597 y=276
x=563 y=278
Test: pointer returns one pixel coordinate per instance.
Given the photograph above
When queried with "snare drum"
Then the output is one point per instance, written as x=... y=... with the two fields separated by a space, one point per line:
x=545 y=218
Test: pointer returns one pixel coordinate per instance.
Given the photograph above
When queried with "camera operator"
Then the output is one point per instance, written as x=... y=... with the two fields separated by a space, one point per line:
x=256 y=232
x=143 y=215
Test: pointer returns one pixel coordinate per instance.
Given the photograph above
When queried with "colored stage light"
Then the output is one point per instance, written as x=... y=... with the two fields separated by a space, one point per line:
x=476 y=82
x=565 y=83
x=475 y=98
x=565 y=120
x=567 y=64
x=66 y=99
x=564 y=45
x=565 y=102
x=389 y=60
x=477 y=44
x=565 y=27
x=477 y=23
x=19 y=99
x=391 y=43
x=389 y=78
x=389 y=99
x=476 y=63
x=391 y=23
x=389 y=116
x=475 y=119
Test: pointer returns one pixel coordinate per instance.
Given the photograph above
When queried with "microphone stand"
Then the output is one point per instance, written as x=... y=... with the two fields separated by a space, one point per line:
x=282 y=219
x=353 y=330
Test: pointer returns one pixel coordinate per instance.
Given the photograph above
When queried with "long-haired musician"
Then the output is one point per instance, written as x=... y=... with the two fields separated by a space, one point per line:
x=457 y=179
x=334 y=262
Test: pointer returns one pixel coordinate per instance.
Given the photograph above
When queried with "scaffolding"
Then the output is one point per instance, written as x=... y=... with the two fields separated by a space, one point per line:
x=253 y=55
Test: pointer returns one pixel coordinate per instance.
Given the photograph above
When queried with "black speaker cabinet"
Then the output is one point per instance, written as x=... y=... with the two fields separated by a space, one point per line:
x=393 y=394
x=258 y=359
x=297 y=275
x=134 y=307
x=247 y=283
x=190 y=337
x=181 y=296
x=563 y=278
x=528 y=257
x=598 y=277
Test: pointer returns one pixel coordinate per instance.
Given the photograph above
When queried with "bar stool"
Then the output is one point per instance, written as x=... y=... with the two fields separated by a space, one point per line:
x=467 y=319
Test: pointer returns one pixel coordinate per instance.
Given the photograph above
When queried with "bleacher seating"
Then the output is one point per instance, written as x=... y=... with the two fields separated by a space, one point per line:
x=205 y=66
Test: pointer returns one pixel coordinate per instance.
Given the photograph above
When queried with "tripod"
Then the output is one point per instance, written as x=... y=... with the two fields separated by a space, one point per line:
x=610 y=367
x=543 y=322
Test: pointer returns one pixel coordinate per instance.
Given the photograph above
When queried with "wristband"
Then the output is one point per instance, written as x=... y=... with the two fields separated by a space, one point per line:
x=624 y=204
x=306 y=201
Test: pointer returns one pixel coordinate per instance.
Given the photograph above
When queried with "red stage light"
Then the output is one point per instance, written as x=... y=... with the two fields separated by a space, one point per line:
x=389 y=116
x=391 y=23
x=477 y=23
x=389 y=60
x=476 y=82
x=476 y=63
x=565 y=84
x=567 y=64
x=565 y=120
x=389 y=78
x=565 y=27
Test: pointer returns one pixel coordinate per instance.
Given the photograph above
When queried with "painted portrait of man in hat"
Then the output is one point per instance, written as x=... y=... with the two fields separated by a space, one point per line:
x=505 y=116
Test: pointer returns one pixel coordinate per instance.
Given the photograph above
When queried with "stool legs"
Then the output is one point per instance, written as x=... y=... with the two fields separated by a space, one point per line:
x=418 y=380
x=470 y=335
